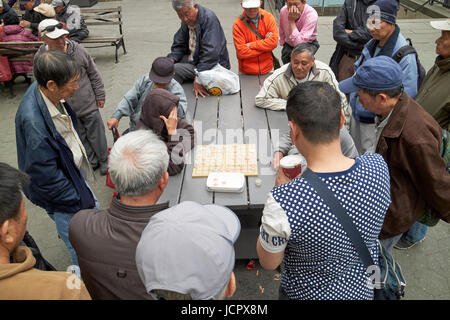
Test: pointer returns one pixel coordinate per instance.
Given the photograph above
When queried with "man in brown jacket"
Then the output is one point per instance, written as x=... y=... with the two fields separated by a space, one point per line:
x=105 y=241
x=19 y=280
x=409 y=140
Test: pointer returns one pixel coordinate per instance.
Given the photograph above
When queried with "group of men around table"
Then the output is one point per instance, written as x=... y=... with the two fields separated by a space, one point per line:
x=383 y=190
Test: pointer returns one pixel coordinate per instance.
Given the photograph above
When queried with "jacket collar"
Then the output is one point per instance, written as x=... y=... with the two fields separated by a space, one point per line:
x=123 y=211
x=23 y=260
x=397 y=119
x=443 y=64
x=389 y=46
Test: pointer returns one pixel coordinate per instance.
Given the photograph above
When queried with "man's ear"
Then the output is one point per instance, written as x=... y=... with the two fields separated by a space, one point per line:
x=51 y=85
x=342 y=119
x=294 y=130
x=231 y=286
x=162 y=184
x=4 y=233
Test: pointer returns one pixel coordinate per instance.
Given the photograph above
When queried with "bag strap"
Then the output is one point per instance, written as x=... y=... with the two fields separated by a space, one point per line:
x=252 y=28
x=341 y=214
x=402 y=52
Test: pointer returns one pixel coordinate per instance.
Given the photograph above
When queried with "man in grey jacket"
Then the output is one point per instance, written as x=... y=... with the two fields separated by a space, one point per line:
x=160 y=76
x=88 y=98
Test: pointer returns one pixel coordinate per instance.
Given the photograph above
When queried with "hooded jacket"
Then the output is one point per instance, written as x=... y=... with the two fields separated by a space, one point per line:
x=91 y=88
x=433 y=95
x=7 y=11
x=15 y=33
x=21 y=281
x=160 y=102
x=75 y=24
x=211 y=44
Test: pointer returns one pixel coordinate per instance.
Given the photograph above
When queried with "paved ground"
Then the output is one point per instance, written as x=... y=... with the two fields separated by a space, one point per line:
x=149 y=28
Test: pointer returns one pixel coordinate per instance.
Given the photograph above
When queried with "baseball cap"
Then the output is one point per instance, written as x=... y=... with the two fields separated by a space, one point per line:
x=251 y=4
x=379 y=73
x=162 y=70
x=188 y=249
x=51 y=28
x=441 y=25
x=59 y=3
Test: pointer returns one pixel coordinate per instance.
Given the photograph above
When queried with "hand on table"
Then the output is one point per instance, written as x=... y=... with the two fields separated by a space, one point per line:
x=199 y=89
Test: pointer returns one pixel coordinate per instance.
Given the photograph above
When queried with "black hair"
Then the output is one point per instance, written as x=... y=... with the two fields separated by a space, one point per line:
x=12 y=182
x=391 y=93
x=315 y=107
x=10 y=19
x=55 y=65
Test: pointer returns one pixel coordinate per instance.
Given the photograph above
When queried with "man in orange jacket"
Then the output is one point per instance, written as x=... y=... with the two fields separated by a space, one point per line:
x=254 y=52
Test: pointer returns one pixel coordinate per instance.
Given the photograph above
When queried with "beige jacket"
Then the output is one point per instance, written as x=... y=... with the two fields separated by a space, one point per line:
x=274 y=92
x=20 y=281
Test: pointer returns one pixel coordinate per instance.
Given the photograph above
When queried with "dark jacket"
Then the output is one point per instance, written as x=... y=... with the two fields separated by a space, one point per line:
x=410 y=145
x=91 y=88
x=211 y=46
x=56 y=182
x=160 y=102
x=34 y=18
x=105 y=242
x=434 y=95
x=75 y=24
x=353 y=16
x=7 y=11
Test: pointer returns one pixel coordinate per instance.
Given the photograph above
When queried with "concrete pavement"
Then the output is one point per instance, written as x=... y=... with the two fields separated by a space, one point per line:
x=149 y=27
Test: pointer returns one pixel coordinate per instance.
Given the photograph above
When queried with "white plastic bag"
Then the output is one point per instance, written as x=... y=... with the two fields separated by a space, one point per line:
x=219 y=81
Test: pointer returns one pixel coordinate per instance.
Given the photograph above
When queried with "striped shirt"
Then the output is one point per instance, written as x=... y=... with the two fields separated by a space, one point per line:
x=65 y=128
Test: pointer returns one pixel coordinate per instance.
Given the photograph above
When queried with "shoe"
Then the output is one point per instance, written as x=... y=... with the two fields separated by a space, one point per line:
x=404 y=244
x=103 y=169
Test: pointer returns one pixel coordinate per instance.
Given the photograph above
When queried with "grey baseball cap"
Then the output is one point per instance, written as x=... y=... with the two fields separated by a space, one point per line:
x=189 y=249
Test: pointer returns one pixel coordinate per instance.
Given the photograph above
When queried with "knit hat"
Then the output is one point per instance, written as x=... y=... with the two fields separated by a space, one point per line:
x=388 y=10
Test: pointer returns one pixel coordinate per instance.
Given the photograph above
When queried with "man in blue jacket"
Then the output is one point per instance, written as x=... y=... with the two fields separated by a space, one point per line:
x=49 y=149
x=386 y=41
x=198 y=45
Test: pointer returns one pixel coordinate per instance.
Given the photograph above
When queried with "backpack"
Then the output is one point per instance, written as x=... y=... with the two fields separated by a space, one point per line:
x=409 y=49
x=429 y=217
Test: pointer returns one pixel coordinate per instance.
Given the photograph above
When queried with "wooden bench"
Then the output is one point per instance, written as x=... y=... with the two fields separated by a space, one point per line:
x=101 y=17
x=19 y=51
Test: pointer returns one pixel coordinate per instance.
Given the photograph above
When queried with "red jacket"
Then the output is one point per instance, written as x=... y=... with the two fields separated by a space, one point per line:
x=256 y=59
x=15 y=33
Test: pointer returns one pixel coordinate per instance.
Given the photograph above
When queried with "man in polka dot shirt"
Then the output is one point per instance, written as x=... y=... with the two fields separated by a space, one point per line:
x=298 y=228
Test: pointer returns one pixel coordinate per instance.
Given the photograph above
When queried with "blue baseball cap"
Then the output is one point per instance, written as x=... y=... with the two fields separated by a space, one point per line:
x=379 y=73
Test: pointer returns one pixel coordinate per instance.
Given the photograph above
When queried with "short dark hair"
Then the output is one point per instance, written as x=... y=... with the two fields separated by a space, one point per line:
x=11 y=19
x=12 y=182
x=55 y=65
x=390 y=93
x=316 y=108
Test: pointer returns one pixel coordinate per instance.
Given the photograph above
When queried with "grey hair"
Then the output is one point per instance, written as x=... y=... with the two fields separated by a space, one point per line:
x=180 y=4
x=137 y=162
x=302 y=47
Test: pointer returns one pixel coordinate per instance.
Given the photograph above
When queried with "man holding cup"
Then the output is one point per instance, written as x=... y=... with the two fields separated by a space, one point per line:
x=320 y=261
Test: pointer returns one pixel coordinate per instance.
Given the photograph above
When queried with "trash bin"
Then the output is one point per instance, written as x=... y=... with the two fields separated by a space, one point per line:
x=83 y=3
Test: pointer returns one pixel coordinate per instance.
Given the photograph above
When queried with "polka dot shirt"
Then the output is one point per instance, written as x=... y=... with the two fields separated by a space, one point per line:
x=320 y=261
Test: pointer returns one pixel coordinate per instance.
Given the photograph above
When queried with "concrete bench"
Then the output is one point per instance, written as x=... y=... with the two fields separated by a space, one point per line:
x=102 y=17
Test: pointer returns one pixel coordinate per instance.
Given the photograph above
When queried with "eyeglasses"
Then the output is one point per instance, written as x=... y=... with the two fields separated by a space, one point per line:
x=52 y=28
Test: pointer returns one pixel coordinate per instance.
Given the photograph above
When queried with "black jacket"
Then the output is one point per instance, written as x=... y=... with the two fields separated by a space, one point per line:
x=353 y=16
x=211 y=46
x=34 y=18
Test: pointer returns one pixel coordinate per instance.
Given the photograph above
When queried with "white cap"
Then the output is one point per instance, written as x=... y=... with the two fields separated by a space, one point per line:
x=55 y=33
x=247 y=4
x=441 y=25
